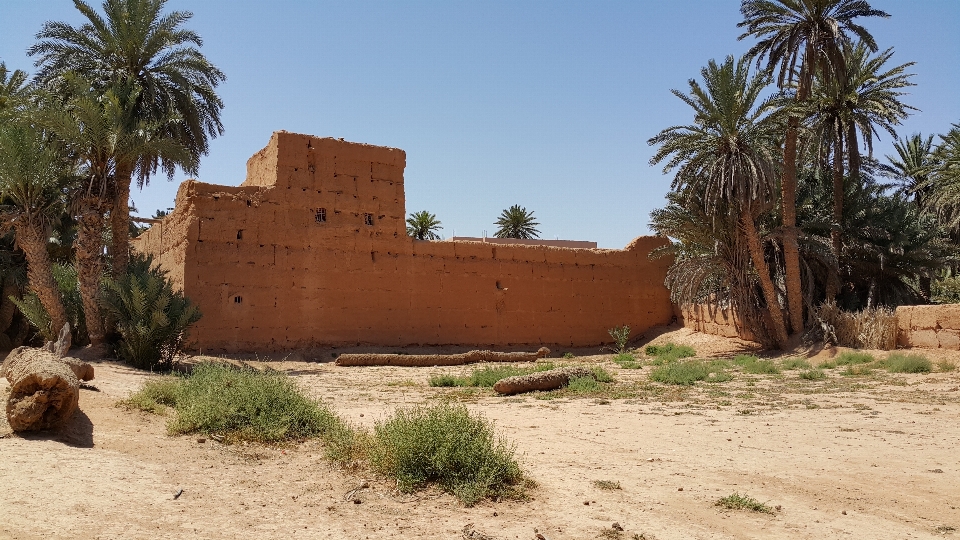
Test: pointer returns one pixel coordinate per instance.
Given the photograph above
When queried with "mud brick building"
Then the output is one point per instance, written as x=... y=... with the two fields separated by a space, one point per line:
x=311 y=251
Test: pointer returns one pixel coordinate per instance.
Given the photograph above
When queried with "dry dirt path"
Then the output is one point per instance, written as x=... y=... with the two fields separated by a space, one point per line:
x=871 y=459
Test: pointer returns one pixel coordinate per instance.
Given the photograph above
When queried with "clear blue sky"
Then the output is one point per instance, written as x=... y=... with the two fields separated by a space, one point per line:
x=544 y=104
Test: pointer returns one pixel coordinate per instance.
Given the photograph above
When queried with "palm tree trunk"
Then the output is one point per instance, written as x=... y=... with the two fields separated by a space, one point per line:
x=120 y=222
x=40 y=273
x=791 y=244
x=836 y=233
x=89 y=256
x=766 y=284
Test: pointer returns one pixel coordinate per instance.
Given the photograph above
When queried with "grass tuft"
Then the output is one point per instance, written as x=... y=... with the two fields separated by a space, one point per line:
x=813 y=375
x=486 y=377
x=945 y=365
x=238 y=403
x=669 y=352
x=680 y=373
x=794 y=363
x=445 y=444
x=907 y=363
x=857 y=370
x=627 y=361
x=756 y=366
x=849 y=358
x=737 y=501
x=607 y=484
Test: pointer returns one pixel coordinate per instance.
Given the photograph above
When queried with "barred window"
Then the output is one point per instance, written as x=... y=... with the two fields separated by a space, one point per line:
x=321 y=215
x=368 y=219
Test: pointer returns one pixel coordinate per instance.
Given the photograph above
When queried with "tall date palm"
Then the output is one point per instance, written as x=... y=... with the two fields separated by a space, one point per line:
x=728 y=156
x=809 y=35
x=516 y=222
x=134 y=42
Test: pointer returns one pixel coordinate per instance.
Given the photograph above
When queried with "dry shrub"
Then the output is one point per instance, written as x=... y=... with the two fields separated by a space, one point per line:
x=874 y=328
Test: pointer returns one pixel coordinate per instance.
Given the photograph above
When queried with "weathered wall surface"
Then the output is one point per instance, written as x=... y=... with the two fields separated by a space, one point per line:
x=929 y=327
x=311 y=250
x=714 y=321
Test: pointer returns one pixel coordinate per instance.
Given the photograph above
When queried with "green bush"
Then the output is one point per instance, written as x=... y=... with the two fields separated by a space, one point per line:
x=151 y=318
x=486 y=377
x=849 y=358
x=794 y=363
x=946 y=290
x=813 y=374
x=737 y=501
x=627 y=361
x=756 y=366
x=621 y=336
x=680 y=373
x=907 y=363
x=445 y=444
x=669 y=352
x=238 y=403
x=583 y=385
x=601 y=375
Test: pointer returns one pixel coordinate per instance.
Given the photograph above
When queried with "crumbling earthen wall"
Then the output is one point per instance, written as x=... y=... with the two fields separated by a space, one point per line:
x=929 y=327
x=714 y=321
x=311 y=250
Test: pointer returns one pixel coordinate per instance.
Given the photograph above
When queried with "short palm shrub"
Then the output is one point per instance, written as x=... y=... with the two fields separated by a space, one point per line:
x=907 y=363
x=238 y=404
x=150 y=317
x=65 y=276
x=446 y=445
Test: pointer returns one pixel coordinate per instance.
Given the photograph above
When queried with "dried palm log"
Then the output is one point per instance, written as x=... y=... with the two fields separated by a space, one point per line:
x=424 y=360
x=44 y=386
x=542 y=380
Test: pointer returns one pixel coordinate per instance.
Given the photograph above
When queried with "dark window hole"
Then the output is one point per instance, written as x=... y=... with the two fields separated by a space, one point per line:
x=368 y=219
x=237 y=300
x=321 y=215
x=240 y=234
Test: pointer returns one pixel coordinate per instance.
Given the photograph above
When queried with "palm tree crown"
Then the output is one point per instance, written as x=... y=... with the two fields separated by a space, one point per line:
x=423 y=226
x=912 y=165
x=516 y=222
x=136 y=43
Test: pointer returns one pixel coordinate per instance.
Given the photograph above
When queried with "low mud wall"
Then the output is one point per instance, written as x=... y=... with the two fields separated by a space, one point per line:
x=714 y=321
x=929 y=327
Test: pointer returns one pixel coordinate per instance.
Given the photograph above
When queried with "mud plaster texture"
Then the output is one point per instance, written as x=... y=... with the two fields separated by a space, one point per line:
x=714 y=321
x=929 y=327
x=311 y=251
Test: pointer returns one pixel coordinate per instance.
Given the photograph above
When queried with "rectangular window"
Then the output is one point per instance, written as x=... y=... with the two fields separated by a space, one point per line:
x=321 y=215
x=368 y=219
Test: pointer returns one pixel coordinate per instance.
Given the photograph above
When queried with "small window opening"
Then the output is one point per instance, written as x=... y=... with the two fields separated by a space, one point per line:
x=237 y=300
x=248 y=203
x=368 y=219
x=321 y=215
x=240 y=234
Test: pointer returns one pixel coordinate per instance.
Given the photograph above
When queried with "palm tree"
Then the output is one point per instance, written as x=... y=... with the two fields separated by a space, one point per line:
x=99 y=133
x=861 y=99
x=135 y=44
x=728 y=157
x=31 y=175
x=912 y=166
x=13 y=89
x=516 y=222
x=422 y=226
x=943 y=182
x=808 y=34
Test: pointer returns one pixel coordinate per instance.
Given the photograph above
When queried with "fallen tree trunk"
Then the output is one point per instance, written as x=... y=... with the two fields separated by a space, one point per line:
x=44 y=386
x=424 y=360
x=543 y=380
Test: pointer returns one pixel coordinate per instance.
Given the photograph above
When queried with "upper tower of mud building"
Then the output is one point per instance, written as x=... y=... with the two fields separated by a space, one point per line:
x=339 y=184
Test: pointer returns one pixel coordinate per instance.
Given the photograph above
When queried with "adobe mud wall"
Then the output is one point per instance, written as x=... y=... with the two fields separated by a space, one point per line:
x=311 y=250
x=929 y=327
x=714 y=321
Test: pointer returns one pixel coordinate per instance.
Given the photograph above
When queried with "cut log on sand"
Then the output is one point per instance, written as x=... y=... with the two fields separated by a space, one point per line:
x=44 y=388
x=543 y=380
x=424 y=360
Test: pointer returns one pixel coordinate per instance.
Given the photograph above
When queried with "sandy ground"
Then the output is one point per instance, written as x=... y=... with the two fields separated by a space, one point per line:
x=847 y=457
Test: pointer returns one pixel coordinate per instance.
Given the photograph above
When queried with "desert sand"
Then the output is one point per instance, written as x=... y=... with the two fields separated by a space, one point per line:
x=847 y=457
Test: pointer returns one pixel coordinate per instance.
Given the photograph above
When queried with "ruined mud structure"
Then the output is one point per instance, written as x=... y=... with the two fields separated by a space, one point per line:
x=312 y=251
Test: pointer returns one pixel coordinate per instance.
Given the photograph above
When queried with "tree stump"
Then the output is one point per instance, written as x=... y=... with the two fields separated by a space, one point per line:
x=543 y=380
x=44 y=386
